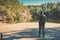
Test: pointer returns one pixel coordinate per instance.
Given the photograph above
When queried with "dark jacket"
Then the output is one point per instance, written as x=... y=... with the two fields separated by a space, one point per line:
x=42 y=18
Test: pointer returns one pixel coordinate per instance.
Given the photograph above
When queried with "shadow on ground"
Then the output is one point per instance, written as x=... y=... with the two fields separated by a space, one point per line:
x=51 y=34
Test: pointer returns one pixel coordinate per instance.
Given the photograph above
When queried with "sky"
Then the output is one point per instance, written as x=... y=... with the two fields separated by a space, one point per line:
x=37 y=2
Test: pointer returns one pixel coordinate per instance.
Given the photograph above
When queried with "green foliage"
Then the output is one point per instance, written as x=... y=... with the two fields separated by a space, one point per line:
x=51 y=8
x=54 y=20
x=18 y=18
x=13 y=10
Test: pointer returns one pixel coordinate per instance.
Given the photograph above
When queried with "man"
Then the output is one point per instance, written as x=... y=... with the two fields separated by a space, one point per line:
x=42 y=19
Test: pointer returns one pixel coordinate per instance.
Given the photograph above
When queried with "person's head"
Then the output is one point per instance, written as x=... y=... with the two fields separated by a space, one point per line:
x=41 y=12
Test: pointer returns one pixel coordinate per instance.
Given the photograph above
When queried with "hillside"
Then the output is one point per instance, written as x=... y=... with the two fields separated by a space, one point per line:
x=12 y=10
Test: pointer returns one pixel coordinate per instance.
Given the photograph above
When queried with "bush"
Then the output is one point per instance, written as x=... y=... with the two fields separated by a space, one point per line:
x=54 y=20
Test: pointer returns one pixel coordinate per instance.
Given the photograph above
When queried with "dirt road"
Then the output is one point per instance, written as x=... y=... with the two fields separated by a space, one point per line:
x=29 y=31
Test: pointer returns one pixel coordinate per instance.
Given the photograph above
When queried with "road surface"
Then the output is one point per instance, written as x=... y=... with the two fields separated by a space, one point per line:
x=29 y=31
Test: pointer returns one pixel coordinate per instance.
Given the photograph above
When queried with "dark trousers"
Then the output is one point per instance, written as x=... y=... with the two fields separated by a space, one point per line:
x=41 y=29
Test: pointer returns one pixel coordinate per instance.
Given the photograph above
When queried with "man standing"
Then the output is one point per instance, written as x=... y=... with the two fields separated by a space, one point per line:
x=42 y=19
